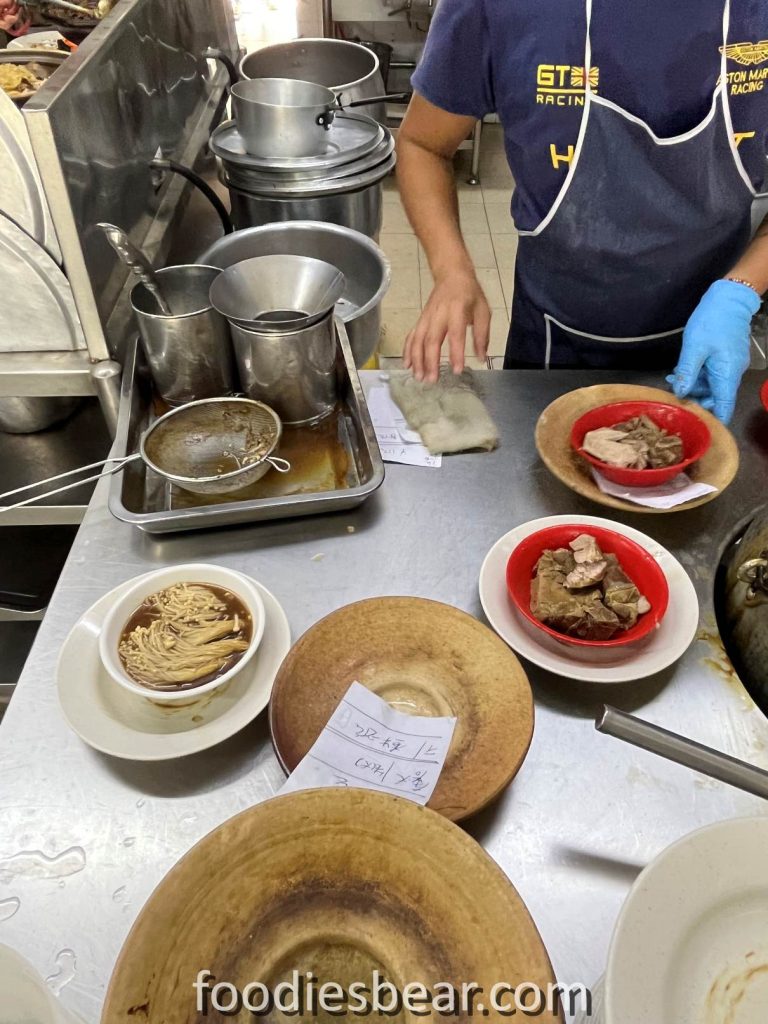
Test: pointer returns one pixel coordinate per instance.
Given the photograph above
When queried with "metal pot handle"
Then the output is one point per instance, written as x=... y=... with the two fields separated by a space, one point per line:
x=281 y=465
x=212 y=53
x=755 y=573
x=326 y=120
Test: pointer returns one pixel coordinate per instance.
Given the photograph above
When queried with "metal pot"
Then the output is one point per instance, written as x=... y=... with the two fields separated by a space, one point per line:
x=31 y=415
x=279 y=118
x=353 y=202
x=366 y=269
x=745 y=625
x=349 y=69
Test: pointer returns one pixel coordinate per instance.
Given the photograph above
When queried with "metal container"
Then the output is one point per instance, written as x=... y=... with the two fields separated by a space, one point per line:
x=292 y=371
x=190 y=353
x=366 y=270
x=355 y=202
x=31 y=415
x=744 y=624
x=351 y=70
x=277 y=293
x=144 y=500
x=281 y=117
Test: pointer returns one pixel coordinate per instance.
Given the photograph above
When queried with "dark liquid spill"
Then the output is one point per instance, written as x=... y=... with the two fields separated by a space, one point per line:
x=319 y=463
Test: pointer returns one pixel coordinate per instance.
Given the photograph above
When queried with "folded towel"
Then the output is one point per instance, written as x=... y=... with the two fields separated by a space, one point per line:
x=449 y=415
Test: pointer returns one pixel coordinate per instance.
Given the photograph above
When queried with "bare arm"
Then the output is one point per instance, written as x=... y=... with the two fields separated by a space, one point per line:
x=427 y=142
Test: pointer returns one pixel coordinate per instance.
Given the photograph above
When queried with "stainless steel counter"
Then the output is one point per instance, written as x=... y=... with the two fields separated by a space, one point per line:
x=585 y=814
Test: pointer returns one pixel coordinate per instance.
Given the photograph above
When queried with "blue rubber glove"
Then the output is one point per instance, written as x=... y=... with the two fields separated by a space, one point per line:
x=715 y=351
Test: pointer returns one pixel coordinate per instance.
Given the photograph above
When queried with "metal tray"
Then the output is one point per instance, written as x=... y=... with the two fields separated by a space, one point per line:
x=337 y=464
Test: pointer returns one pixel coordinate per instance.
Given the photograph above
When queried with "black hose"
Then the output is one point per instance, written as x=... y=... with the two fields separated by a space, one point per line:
x=203 y=186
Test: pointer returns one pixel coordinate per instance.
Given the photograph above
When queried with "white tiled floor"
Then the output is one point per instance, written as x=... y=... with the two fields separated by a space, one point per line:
x=491 y=239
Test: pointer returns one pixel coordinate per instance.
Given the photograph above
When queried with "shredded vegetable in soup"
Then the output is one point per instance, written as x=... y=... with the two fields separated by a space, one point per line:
x=185 y=636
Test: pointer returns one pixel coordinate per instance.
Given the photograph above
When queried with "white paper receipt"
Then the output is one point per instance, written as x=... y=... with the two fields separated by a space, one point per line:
x=677 y=492
x=397 y=442
x=368 y=745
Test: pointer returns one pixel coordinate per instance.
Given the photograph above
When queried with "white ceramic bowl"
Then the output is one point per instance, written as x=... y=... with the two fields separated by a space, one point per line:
x=126 y=605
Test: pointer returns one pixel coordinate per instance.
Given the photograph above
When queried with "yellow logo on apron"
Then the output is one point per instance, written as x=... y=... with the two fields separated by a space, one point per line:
x=747 y=54
x=563 y=85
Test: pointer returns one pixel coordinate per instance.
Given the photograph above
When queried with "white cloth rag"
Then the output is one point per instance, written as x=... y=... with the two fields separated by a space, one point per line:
x=449 y=415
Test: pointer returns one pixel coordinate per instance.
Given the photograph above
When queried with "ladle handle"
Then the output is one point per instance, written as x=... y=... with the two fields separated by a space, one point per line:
x=135 y=259
x=213 y=53
x=281 y=465
x=683 y=751
x=119 y=464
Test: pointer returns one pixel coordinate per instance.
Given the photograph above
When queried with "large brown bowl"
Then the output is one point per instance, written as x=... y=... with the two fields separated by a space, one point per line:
x=424 y=658
x=339 y=883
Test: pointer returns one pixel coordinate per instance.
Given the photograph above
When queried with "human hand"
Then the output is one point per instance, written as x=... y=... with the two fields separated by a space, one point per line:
x=456 y=303
x=715 y=351
x=13 y=17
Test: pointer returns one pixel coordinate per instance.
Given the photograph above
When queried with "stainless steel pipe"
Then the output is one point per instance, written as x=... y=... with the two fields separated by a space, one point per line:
x=683 y=751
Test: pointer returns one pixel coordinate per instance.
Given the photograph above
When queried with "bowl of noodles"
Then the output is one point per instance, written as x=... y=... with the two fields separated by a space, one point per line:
x=181 y=633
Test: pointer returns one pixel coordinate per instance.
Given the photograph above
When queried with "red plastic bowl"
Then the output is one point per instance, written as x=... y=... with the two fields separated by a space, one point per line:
x=641 y=567
x=675 y=419
x=764 y=395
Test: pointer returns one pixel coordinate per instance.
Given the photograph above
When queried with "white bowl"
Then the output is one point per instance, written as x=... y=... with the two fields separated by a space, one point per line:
x=126 y=605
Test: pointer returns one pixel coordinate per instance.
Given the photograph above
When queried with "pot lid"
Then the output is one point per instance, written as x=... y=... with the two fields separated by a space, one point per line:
x=22 y=198
x=46 y=318
x=254 y=179
x=350 y=137
x=314 y=187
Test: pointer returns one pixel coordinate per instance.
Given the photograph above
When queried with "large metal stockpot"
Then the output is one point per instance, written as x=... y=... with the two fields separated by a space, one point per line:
x=353 y=202
x=351 y=70
x=366 y=270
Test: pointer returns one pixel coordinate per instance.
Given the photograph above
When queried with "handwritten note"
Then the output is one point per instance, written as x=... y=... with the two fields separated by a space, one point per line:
x=368 y=745
x=397 y=442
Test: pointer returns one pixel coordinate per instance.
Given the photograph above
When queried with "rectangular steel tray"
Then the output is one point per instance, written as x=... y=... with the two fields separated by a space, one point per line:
x=337 y=464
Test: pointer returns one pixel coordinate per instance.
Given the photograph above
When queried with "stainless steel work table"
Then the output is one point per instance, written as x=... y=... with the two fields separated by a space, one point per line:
x=584 y=815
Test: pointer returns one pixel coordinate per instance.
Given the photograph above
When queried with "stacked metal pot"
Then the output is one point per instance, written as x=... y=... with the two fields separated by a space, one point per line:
x=296 y=156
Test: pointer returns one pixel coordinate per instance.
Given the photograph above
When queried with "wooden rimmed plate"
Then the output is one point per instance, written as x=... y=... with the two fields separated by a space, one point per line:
x=553 y=441
x=424 y=658
x=339 y=883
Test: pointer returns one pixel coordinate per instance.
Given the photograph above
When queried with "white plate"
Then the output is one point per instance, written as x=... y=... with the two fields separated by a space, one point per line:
x=691 y=943
x=118 y=723
x=613 y=664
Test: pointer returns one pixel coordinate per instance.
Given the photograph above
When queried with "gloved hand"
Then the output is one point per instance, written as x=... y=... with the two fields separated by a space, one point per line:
x=715 y=351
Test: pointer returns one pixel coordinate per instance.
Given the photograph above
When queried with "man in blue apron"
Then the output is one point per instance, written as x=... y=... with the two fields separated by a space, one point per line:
x=637 y=136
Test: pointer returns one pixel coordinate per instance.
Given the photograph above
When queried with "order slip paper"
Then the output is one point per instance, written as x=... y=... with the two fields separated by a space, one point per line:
x=368 y=745
x=677 y=492
x=397 y=442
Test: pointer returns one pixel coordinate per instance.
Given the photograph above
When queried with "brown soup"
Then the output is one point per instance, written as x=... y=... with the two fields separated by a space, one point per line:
x=185 y=636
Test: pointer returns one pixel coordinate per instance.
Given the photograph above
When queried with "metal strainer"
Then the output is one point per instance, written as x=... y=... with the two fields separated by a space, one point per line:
x=214 y=446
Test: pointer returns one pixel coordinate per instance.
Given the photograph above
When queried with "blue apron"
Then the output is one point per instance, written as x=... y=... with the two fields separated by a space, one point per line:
x=640 y=229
